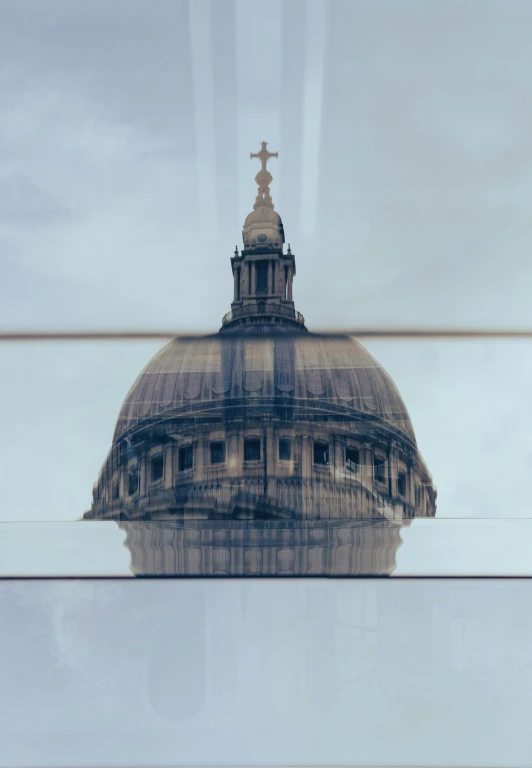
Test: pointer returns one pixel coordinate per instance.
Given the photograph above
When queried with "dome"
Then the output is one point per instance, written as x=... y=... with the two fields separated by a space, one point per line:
x=263 y=449
x=263 y=228
x=311 y=374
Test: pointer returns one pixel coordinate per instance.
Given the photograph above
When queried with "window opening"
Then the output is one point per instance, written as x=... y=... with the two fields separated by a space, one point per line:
x=379 y=469
x=218 y=452
x=285 y=449
x=157 y=467
x=185 y=458
x=321 y=453
x=352 y=459
x=252 y=449
x=261 y=276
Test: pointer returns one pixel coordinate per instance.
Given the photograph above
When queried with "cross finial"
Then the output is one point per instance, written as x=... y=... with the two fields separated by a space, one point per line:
x=263 y=177
x=264 y=155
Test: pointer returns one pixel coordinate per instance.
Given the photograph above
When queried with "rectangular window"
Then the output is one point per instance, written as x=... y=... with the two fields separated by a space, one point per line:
x=352 y=459
x=261 y=276
x=115 y=493
x=321 y=453
x=401 y=483
x=252 y=449
x=285 y=449
x=132 y=480
x=418 y=495
x=156 y=467
x=379 y=472
x=218 y=452
x=185 y=458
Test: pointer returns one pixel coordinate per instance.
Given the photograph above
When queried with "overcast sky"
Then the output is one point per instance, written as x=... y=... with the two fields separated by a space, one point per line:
x=404 y=180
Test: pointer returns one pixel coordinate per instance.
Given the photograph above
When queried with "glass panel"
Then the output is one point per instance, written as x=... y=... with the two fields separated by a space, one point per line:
x=313 y=518
x=435 y=201
x=196 y=673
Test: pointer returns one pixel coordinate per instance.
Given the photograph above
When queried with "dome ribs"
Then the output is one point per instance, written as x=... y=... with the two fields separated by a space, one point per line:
x=221 y=378
x=284 y=375
x=339 y=369
x=284 y=365
x=309 y=363
x=194 y=372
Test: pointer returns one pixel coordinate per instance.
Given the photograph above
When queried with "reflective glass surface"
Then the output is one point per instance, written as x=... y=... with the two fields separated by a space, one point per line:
x=271 y=672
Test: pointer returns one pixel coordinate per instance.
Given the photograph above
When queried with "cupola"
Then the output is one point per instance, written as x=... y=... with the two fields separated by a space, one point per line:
x=263 y=272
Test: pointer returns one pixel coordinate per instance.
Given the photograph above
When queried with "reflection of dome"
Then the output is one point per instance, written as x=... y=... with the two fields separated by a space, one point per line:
x=263 y=449
x=310 y=373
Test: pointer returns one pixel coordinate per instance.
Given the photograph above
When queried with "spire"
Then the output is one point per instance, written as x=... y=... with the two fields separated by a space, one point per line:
x=263 y=177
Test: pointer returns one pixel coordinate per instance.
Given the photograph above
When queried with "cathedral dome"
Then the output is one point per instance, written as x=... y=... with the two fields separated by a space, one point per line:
x=264 y=370
x=263 y=449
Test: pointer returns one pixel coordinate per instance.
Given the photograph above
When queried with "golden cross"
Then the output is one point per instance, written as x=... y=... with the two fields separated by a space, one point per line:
x=263 y=155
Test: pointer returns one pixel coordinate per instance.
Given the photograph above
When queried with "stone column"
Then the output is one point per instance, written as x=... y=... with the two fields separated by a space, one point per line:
x=393 y=469
x=290 y=278
x=233 y=455
x=253 y=279
x=274 y=277
x=306 y=476
x=411 y=487
x=269 y=276
x=199 y=458
x=143 y=467
x=271 y=462
x=236 y=278
x=122 y=483
x=169 y=466
x=338 y=454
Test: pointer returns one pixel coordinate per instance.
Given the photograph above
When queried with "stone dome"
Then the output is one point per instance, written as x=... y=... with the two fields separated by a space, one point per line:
x=263 y=228
x=268 y=369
